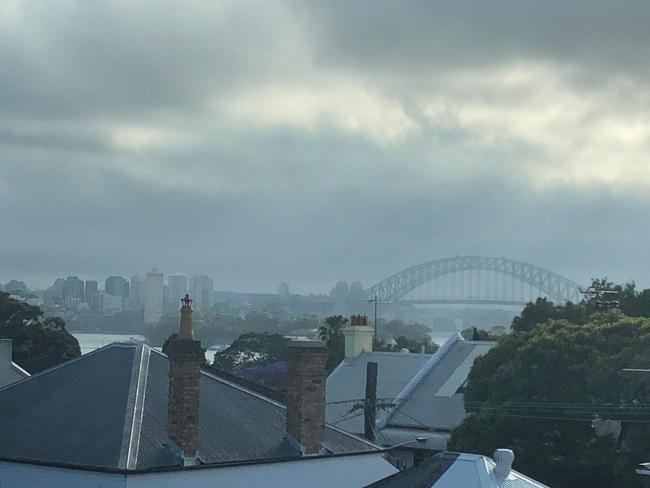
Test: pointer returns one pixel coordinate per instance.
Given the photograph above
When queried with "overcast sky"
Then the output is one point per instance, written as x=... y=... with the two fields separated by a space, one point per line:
x=312 y=142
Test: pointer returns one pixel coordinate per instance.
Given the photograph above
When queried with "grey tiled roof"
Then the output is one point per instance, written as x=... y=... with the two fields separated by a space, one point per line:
x=109 y=409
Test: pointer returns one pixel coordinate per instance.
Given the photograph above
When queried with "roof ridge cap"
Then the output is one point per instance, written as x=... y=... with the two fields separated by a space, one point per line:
x=426 y=368
x=133 y=423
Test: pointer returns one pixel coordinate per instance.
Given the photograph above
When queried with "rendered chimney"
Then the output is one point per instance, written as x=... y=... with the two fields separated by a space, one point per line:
x=358 y=336
x=185 y=360
x=306 y=395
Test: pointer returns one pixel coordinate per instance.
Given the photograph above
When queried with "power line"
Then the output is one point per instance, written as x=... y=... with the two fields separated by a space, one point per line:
x=346 y=418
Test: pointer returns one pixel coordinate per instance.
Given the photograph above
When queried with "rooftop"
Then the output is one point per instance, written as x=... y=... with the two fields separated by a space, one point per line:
x=423 y=388
x=453 y=470
x=109 y=409
x=346 y=384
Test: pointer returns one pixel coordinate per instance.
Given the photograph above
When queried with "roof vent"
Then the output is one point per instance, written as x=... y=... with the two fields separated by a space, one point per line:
x=503 y=459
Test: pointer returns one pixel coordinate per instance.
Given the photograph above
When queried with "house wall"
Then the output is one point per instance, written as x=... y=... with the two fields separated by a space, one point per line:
x=353 y=471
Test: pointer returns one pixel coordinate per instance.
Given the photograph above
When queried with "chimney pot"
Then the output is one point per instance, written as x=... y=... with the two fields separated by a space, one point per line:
x=503 y=459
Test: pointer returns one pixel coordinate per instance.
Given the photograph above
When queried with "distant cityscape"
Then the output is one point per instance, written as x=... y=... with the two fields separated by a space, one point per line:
x=155 y=295
x=129 y=304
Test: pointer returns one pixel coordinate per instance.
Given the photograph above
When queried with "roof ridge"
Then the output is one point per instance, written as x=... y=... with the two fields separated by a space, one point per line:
x=134 y=429
x=419 y=377
x=19 y=369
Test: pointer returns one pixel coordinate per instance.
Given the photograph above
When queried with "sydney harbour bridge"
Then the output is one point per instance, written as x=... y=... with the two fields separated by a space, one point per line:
x=474 y=280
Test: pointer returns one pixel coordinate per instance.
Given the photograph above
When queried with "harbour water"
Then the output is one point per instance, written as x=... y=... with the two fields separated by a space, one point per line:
x=89 y=342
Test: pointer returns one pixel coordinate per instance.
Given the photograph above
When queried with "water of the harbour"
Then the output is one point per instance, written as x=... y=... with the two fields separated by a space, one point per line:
x=90 y=342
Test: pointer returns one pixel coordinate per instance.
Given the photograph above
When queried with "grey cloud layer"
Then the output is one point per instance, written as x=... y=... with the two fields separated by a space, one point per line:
x=262 y=142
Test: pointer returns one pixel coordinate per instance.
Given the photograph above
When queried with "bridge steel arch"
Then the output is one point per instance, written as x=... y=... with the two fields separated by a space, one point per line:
x=557 y=287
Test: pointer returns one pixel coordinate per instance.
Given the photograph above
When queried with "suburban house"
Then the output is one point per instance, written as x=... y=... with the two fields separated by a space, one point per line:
x=10 y=372
x=127 y=415
x=418 y=395
x=454 y=470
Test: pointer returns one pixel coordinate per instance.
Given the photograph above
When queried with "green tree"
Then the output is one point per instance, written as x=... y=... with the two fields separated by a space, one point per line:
x=38 y=342
x=543 y=310
x=521 y=389
x=331 y=333
x=252 y=349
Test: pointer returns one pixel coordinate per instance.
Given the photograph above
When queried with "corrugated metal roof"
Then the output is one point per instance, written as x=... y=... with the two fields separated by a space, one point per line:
x=346 y=385
x=109 y=409
x=75 y=412
x=424 y=387
x=433 y=403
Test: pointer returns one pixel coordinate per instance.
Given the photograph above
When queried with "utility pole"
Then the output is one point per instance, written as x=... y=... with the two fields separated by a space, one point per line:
x=374 y=300
x=370 y=404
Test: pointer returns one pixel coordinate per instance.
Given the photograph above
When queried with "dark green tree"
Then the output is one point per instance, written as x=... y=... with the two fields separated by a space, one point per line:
x=38 y=342
x=252 y=349
x=521 y=391
x=331 y=333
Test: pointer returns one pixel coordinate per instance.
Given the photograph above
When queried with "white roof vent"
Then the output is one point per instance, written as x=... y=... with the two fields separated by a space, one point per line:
x=503 y=459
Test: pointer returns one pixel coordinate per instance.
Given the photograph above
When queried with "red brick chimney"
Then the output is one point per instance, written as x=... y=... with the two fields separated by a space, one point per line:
x=185 y=360
x=306 y=395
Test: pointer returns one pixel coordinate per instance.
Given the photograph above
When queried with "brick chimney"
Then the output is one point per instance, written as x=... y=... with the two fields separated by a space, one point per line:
x=358 y=336
x=306 y=395
x=185 y=360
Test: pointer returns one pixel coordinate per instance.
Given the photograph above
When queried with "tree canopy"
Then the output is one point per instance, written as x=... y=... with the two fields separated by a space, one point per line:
x=331 y=333
x=38 y=342
x=540 y=389
x=252 y=349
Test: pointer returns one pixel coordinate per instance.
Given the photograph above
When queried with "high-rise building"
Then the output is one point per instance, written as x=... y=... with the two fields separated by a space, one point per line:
x=54 y=294
x=73 y=289
x=90 y=288
x=340 y=295
x=176 y=290
x=201 y=290
x=57 y=288
x=153 y=296
x=117 y=286
x=136 y=292
x=91 y=294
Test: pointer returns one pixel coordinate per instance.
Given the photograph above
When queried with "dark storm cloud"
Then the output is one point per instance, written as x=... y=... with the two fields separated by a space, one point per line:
x=422 y=35
x=261 y=142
